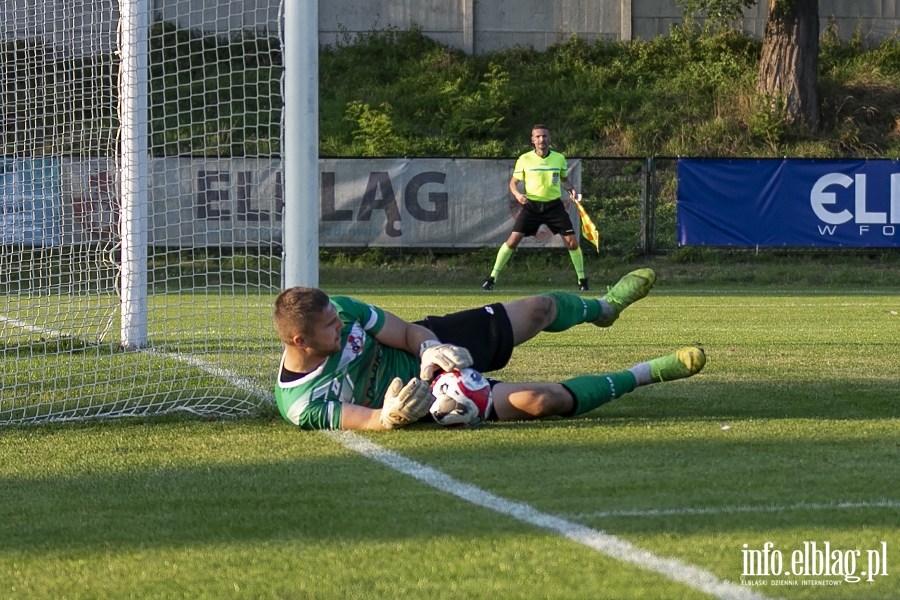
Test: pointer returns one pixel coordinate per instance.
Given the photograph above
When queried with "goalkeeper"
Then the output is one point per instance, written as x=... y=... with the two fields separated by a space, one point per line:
x=351 y=365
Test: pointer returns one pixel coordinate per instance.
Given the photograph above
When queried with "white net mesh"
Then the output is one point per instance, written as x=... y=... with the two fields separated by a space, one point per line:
x=213 y=223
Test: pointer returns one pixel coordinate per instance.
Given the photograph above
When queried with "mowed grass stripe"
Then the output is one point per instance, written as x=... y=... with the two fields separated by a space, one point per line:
x=730 y=510
x=813 y=416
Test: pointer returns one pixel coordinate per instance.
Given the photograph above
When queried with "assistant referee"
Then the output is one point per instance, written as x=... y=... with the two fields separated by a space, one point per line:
x=544 y=172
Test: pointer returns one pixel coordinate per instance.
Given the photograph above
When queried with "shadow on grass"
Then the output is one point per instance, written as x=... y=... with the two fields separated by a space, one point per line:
x=571 y=467
x=329 y=498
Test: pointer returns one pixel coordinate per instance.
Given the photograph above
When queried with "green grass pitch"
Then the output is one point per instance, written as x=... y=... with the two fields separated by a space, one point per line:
x=790 y=436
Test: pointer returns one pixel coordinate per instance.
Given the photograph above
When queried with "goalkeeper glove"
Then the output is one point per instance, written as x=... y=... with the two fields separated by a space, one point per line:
x=405 y=404
x=442 y=357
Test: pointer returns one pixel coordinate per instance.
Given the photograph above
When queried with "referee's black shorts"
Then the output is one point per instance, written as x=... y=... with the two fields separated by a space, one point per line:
x=485 y=332
x=552 y=214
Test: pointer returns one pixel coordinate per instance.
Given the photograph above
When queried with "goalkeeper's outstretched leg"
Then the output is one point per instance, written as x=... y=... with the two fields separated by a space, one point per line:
x=559 y=311
x=579 y=395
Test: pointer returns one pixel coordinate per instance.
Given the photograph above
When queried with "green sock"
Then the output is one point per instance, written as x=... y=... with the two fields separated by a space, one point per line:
x=577 y=262
x=593 y=391
x=572 y=310
x=503 y=255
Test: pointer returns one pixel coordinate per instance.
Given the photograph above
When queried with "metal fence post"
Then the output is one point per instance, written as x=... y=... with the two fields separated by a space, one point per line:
x=648 y=206
x=645 y=207
x=652 y=203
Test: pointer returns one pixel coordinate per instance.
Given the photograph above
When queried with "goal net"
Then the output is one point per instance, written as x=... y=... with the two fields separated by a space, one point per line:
x=140 y=207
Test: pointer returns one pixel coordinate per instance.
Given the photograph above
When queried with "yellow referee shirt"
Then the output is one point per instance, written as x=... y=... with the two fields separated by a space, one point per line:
x=542 y=176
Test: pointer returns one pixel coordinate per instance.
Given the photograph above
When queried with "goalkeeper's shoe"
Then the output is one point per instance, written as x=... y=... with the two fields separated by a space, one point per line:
x=488 y=284
x=627 y=291
x=583 y=285
x=682 y=363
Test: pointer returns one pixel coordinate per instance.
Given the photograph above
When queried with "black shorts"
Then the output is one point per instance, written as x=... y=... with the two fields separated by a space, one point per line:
x=552 y=214
x=485 y=332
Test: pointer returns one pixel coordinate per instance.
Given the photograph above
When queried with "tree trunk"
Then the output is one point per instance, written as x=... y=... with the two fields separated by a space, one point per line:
x=789 y=60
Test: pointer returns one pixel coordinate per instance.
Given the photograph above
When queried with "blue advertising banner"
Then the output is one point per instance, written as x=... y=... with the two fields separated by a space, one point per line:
x=29 y=201
x=788 y=202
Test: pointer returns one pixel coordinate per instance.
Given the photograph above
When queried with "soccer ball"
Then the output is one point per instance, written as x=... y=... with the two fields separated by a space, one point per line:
x=462 y=398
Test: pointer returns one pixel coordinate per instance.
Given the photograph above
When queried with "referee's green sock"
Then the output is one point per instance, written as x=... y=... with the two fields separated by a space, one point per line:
x=503 y=256
x=572 y=309
x=577 y=258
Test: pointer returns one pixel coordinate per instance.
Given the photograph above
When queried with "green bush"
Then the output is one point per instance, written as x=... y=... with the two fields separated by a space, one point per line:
x=688 y=94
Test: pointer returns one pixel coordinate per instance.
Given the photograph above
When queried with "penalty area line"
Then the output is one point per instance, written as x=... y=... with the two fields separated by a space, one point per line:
x=600 y=541
x=726 y=510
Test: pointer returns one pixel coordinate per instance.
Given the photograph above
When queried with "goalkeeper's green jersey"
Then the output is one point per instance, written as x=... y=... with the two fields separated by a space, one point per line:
x=542 y=176
x=359 y=374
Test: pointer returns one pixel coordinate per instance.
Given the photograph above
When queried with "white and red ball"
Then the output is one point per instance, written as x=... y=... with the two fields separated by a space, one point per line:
x=462 y=398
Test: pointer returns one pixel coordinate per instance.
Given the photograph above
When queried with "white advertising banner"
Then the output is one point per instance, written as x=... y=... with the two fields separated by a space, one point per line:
x=425 y=202
x=236 y=202
x=212 y=202
x=90 y=200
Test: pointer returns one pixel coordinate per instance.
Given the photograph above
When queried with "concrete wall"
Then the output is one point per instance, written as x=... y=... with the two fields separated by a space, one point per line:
x=82 y=28
x=447 y=21
x=470 y=25
x=485 y=25
x=479 y=26
x=876 y=19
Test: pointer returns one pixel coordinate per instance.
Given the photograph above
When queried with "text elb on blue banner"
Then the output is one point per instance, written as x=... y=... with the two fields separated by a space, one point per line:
x=788 y=202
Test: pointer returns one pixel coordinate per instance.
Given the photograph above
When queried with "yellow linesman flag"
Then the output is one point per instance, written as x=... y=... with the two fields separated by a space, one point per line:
x=588 y=229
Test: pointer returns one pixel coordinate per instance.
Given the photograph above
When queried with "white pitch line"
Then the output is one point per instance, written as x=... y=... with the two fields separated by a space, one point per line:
x=600 y=541
x=724 y=510
x=242 y=383
x=31 y=328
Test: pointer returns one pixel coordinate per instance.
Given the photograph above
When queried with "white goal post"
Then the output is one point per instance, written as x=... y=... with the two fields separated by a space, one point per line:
x=143 y=200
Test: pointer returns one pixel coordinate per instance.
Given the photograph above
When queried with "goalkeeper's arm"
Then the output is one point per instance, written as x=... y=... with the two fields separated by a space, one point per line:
x=421 y=341
x=401 y=334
